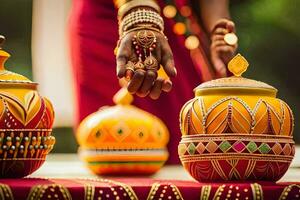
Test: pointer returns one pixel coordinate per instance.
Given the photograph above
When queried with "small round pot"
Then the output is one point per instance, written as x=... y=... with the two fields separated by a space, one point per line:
x=123 y=139
x=26 y=120
x=236 y=129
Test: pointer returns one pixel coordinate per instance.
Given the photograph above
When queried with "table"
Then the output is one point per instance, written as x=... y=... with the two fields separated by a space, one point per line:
x=64 y=176
x=70 y=166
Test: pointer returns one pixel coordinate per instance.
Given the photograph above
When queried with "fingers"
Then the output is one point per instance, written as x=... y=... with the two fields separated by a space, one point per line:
x=121 y=62
x=220 y=31
x=136 y=81
x=216 y=37
x=167 y=86
x=129 y=68
x=222 y=23
x=156 y=89
x=218 y=43
x=150 y=77
x=230 y=27
x=221 y=55
x=225 y=49
x=167 y=60
x=225 y=24
x=222 y=43
x=129 y=74
x=144 y=82
x=124 y=52
x=222 y=52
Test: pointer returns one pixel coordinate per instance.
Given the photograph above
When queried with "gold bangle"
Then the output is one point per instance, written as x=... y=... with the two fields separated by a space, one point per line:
x=141 y=16
x=125 y=8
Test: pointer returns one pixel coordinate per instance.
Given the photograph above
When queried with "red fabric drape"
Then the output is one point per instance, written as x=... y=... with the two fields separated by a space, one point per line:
x=93 y=35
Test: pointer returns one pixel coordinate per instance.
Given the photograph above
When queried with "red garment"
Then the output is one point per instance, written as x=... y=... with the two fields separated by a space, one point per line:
x=93 y=36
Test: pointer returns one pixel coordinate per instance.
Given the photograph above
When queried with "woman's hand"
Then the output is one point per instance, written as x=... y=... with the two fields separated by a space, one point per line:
x=221 y=51
x=145 y=82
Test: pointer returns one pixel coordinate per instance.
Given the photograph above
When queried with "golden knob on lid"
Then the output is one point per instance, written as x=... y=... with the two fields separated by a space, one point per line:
x=123 y=97
x=3 y=54
x=238 y=65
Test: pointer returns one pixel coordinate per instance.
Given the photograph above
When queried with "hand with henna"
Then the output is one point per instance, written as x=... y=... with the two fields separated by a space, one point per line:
x=221 y=51
x=143 y=82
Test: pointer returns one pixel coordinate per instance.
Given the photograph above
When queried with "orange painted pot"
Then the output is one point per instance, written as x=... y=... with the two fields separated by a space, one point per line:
x=236 y=129
x=26 y=120
x=123 y=139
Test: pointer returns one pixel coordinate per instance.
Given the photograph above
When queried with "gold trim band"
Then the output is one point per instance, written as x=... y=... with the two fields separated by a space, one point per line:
x=224 y=156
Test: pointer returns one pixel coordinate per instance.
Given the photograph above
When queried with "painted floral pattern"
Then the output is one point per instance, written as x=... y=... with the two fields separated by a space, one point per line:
x=34 y=112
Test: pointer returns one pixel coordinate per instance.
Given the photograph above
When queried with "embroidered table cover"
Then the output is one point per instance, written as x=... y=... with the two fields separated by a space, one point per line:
x=142 y=188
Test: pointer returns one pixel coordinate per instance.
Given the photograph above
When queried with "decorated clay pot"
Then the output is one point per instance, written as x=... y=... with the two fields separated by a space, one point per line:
x=123 y=139
x=236 y=129
x=26 y=119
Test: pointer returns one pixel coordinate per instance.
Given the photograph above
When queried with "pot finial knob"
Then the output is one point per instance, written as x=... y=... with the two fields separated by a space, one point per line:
x=123 y=97
x=3 y=54
x=238 y=65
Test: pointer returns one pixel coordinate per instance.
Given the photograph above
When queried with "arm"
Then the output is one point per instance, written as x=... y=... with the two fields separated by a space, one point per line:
x=216 y=19
x=143 y=48
x=212 y=11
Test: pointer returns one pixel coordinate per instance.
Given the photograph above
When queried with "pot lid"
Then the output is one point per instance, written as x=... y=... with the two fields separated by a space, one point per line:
x=237 y=66
x=7 y=76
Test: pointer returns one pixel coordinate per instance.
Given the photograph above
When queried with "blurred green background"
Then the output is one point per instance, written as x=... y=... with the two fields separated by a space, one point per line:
x=269 y=38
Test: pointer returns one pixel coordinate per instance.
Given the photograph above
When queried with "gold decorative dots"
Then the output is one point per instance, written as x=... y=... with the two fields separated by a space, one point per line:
x=169 y=11
x=154 y=194
x=39 y=192
x=219 y=192
x=257 y=191
x=192 y=42
x=205 y=192
x=125 y=190
x=287 y=190
x=89 y=191
x=6 y=192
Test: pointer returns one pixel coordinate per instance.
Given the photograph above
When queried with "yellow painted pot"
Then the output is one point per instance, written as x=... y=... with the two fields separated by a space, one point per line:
x=123 y=139
x=236 y=129
x=26 y=120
